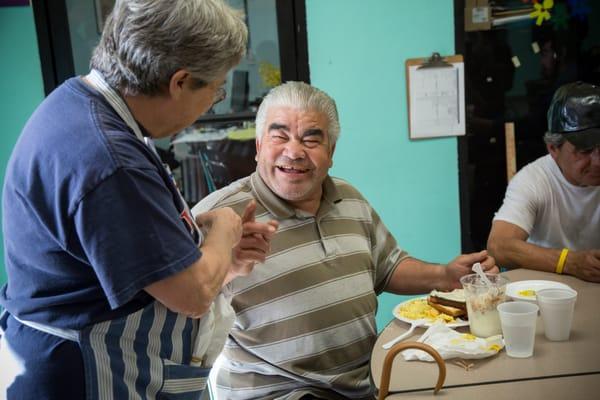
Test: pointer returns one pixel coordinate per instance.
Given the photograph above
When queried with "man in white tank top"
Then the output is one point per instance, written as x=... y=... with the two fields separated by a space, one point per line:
x=550 y=218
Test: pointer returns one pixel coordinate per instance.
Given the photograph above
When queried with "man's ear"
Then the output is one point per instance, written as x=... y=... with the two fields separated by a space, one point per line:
x=177 y=83
x=257 y=149
x=553 y=150
x=331 y=155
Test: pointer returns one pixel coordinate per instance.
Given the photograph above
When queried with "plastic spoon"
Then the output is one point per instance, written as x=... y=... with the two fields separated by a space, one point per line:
x=414 y=324
x=493 y=290
x=479 y=271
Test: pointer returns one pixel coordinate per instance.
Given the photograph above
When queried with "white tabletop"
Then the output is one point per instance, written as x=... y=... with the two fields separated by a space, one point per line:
x=578 y=359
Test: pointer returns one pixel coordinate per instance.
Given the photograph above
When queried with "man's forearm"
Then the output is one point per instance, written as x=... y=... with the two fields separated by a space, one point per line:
x=413 y=276
x=516 y=253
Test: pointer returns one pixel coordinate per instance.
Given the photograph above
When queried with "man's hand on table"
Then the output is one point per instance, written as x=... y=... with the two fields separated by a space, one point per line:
x=584 y=265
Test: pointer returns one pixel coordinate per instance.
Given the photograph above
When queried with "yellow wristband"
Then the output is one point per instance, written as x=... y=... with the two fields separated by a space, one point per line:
x=561 y=261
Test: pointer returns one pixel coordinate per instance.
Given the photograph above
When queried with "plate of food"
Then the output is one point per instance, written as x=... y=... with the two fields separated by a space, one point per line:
x=525 y=290
x=449 y=307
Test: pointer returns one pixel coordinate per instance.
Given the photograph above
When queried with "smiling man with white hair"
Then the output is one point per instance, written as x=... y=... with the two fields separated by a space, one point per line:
x=305 y=320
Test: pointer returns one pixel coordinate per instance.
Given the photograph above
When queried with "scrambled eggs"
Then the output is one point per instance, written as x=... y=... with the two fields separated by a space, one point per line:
x=526 y=293
x=419 y=309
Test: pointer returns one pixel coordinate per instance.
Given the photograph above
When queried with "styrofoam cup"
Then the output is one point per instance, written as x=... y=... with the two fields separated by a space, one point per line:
x=518 y=319
x=556 y=308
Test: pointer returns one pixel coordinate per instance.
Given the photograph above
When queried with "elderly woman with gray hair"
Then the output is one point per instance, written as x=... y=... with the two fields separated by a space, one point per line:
x=113 y=290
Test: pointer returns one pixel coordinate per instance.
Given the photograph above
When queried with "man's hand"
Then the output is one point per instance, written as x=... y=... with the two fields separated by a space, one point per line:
x=584 y=265
x=254 y=244
x=462 y=265
x=414 y=276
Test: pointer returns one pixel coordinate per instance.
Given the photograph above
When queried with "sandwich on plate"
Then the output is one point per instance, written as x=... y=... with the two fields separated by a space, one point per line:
x=450 y=303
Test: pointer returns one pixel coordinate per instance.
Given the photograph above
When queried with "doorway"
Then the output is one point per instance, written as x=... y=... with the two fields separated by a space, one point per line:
x=511 y=73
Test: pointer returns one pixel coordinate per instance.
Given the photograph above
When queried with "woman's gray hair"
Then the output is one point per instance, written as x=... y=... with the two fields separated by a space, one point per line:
x=555 y=139
x=302 y=96
x=144 y=42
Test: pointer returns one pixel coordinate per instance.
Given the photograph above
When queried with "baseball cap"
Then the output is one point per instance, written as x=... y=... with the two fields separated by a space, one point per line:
x=575 y=113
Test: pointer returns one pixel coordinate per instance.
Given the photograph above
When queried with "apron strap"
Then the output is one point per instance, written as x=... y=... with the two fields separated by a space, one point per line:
x=117 y=103
x=96 y=80
x=68 y=334
x=3 y=317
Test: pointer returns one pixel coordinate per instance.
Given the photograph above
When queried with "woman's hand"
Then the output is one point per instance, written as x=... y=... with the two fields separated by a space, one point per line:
x=221 y=224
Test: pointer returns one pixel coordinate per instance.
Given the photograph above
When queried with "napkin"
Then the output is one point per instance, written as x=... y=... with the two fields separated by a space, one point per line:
x=452 y=344
x=213 y=329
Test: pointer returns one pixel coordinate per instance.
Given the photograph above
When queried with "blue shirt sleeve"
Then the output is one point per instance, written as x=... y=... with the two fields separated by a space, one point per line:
x=130 y=231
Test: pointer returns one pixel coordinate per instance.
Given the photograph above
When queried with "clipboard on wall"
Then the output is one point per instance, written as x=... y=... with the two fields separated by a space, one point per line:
x=435 y=89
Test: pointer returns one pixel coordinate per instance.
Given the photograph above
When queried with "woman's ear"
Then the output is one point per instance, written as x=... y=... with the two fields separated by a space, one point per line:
x=177 y=83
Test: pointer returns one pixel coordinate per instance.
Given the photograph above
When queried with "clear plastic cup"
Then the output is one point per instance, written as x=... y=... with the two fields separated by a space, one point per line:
x=556 y=308
x=482 y=300
x=518 y=320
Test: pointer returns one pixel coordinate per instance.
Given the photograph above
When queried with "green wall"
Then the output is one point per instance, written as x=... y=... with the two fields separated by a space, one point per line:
x=21 y=86
x=356 y=53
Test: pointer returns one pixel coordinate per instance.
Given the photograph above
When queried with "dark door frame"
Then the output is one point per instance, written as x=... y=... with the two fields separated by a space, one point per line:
x=54 y=42
x=462 y=143
x=293 y=43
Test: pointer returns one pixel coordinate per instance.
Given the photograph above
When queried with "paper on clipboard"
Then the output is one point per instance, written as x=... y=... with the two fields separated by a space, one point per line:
x=436 y=101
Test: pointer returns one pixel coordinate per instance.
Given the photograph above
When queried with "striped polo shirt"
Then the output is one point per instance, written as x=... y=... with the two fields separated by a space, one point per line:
x=305 y=319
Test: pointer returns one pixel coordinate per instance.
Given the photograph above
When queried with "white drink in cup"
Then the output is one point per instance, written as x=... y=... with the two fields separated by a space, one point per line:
x=556 y=308
x=482 y=300
x=518 y=320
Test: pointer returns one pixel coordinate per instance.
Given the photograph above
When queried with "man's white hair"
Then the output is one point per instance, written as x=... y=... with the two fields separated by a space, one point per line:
x=301 y=96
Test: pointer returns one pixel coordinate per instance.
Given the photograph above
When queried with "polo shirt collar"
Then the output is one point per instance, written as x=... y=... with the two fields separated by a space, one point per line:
x=281 y=208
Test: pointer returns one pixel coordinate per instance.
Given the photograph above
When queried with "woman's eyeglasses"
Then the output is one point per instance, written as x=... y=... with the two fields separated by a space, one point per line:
x=220 y=95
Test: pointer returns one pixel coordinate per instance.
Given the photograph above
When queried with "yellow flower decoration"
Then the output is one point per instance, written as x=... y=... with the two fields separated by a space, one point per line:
x=542 y=11
x=270 y=74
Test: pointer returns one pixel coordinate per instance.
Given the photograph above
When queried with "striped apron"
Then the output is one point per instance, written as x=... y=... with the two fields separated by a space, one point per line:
x=152 y=353
x=144 y=355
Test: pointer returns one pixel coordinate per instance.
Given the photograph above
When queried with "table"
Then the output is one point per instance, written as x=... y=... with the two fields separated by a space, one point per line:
x=557 y=370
